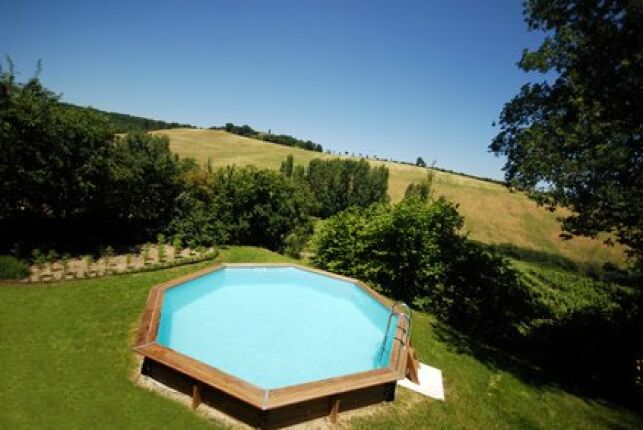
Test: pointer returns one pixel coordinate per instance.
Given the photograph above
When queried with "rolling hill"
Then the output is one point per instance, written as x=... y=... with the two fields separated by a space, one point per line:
x=492 y=213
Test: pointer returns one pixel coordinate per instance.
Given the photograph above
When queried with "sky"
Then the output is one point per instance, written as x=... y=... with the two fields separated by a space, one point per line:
x=396 y=79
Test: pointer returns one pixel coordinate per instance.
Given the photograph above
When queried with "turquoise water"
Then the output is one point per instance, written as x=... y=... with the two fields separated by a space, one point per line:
x=275 y=327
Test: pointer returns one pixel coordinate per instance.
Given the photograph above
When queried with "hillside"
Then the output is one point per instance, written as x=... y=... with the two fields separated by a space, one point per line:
x=492 y=213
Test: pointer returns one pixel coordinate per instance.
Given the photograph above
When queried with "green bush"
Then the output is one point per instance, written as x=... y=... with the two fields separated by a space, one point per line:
x=241 y=206
x=584 y=330
x=413 y=251
x=12 y=268
x=339 y=184
x=296 y=241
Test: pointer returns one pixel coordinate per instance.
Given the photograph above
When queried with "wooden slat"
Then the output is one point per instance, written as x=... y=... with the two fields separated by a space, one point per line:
x=196 y=395
x=204 y=373
x=147 y=320
x=312 y=390
x=334 y=410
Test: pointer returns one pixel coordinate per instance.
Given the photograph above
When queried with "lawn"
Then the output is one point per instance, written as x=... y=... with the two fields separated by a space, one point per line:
x=492 y=213
x=67 y=363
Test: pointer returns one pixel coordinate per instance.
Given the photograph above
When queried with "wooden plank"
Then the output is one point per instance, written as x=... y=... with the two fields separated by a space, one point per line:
x=312 y=390
x=204 y=373
x=334 y=409
x=146 y=325
x=412 y=366
x=196 y=396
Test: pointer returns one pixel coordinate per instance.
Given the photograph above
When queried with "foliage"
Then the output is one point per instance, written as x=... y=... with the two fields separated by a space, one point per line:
x=53 y=161
x=579 y=133
x=177 y=244
x=420 y=162
x=585 y=331
x=339 y=184
x=413 y=251
x=287 y=166
x=422 y=190
x=124 y=123
x=144 y=182
x=261 y=207
x=284 y=139
x=280 y=139
x=241 y=206
x=244 y=130
x=65 y=181
x=296 y=241
x=13 y=268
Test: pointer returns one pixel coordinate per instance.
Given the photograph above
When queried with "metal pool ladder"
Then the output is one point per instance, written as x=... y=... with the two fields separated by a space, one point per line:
x=403 y=311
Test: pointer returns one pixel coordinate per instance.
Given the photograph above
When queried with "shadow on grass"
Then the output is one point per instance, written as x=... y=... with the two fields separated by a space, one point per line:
x=493 y=357
x=555 y=363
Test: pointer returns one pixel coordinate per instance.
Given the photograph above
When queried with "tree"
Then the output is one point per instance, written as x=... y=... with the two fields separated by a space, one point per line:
x=420 y=162
x=144 y=182
x=422 y=190
x=287 y=166
x=53 y=161
x=246 y=205
x=574 y=140
x=339 y=184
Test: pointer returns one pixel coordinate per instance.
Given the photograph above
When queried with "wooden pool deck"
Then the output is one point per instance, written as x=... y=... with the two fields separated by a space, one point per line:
x=262 y=407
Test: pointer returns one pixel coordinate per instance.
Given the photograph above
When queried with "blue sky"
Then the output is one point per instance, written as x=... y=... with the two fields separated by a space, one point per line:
x=396 y=79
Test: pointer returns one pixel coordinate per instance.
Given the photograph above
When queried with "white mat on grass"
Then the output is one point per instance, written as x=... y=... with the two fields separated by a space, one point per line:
x=431 y=384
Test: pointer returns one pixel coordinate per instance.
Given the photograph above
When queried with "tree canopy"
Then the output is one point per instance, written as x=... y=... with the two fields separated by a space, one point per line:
x=574 y=139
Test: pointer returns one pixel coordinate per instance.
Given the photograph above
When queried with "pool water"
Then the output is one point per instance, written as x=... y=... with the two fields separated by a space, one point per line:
x=275 y=326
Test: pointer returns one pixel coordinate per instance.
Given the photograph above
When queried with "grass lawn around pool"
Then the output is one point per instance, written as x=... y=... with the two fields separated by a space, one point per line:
x=66 y=362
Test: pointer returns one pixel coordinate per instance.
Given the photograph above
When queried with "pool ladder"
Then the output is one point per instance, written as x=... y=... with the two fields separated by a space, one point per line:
x=402 y=311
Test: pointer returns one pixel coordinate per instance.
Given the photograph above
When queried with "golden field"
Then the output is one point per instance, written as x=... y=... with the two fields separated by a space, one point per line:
x=493 y=214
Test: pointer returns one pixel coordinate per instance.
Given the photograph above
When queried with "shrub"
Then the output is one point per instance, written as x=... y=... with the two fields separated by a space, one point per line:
x=413 y=251
x=52 y=256
x=241 y=206
x=39 y=258
x=12 y=268
x=585 y=331
x=339 y=184
x=177 y=244
x=296 y=241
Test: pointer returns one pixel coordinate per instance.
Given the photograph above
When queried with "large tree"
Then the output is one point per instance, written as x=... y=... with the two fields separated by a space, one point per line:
x=53 y=159
x=574 y=139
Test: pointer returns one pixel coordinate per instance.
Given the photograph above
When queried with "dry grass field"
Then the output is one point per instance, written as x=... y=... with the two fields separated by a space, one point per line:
x=493 y=214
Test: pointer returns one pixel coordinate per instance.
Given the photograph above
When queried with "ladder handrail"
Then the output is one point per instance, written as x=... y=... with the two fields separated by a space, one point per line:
x=406 y=331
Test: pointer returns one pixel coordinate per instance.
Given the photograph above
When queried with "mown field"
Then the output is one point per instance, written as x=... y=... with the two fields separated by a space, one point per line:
x=492 y=213
x=67 y=363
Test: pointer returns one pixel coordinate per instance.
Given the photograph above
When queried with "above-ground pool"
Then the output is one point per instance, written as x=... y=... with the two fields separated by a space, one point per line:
x=274 y=345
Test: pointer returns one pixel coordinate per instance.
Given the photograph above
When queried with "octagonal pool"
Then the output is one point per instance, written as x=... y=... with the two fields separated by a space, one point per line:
x=274 y=345
x=277 y=326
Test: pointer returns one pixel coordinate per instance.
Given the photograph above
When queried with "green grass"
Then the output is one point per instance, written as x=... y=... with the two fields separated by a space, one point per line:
x=66 y=363
x=492 y=213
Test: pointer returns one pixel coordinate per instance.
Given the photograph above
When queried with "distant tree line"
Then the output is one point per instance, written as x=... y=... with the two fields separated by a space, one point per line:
x=124 y=123
x=280 y=139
